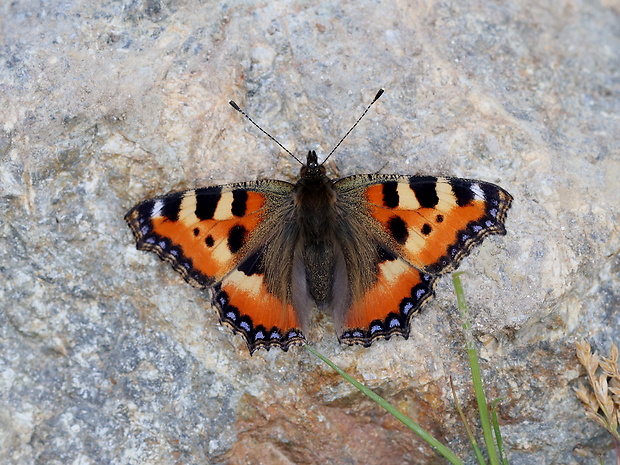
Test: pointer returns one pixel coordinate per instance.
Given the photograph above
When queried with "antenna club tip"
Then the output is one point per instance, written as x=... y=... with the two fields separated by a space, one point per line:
x=379 y=94
x=234 y=105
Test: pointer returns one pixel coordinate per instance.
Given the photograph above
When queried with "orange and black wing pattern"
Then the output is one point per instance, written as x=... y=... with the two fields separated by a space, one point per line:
x=214 y=238
x=429 y=225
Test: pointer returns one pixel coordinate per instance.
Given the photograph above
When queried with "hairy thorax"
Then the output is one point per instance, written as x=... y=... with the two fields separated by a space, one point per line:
x=315 y=199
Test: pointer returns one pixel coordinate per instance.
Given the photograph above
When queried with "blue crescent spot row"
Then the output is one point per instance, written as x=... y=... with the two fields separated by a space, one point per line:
x=258 y=336
x=151 y=241
x=394 y=323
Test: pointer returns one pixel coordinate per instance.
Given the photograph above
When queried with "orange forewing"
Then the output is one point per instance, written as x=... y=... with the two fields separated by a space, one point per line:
x=430 y=232
x=421 y=250
x=214 y=261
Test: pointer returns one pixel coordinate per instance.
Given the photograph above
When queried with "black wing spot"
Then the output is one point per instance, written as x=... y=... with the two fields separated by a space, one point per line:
x=172 y=206
x=236 y=238
x=206 y=202
x=385 y=255
x=209 y=241
x=390 y=194
x=426 y=229
x=462 y=192
x=253 y=264
x=398 y=229
x=239 y=203
x=439 y=218
x=425 y=190
x=196 y=232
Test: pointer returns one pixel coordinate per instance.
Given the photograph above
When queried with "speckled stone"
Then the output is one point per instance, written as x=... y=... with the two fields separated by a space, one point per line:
x=108 y=356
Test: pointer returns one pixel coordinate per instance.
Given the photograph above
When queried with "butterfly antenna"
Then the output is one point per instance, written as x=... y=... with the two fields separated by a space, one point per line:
x=379 y=94
x=236 y=107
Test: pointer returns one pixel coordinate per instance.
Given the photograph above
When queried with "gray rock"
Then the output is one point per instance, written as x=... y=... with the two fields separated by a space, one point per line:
x=109 y=357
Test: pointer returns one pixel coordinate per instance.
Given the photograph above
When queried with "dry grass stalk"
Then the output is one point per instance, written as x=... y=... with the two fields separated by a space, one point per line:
x=602 y=398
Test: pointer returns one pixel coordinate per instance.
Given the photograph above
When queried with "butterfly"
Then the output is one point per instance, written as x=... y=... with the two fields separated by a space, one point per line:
x=369 y=248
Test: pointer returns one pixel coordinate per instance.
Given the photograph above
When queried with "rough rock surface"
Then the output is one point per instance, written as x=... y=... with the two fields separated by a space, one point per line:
x=107 y=356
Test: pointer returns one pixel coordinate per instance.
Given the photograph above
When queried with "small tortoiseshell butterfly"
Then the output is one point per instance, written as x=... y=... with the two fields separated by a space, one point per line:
x=369 y=247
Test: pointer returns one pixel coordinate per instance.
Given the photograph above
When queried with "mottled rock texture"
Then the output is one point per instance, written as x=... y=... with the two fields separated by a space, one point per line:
x=108 y=356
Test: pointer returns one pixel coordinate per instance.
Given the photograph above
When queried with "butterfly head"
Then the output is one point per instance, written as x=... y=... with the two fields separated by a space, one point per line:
x=312 y=168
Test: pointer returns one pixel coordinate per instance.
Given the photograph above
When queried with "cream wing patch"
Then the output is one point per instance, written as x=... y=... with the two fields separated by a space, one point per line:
x=407 y=198
x=224 y=207
x=187 y=211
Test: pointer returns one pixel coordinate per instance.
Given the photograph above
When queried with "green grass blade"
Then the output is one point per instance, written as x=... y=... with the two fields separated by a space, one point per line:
x=408 y=422
x=498 y=434
x=468 y=430
x=483 y=408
